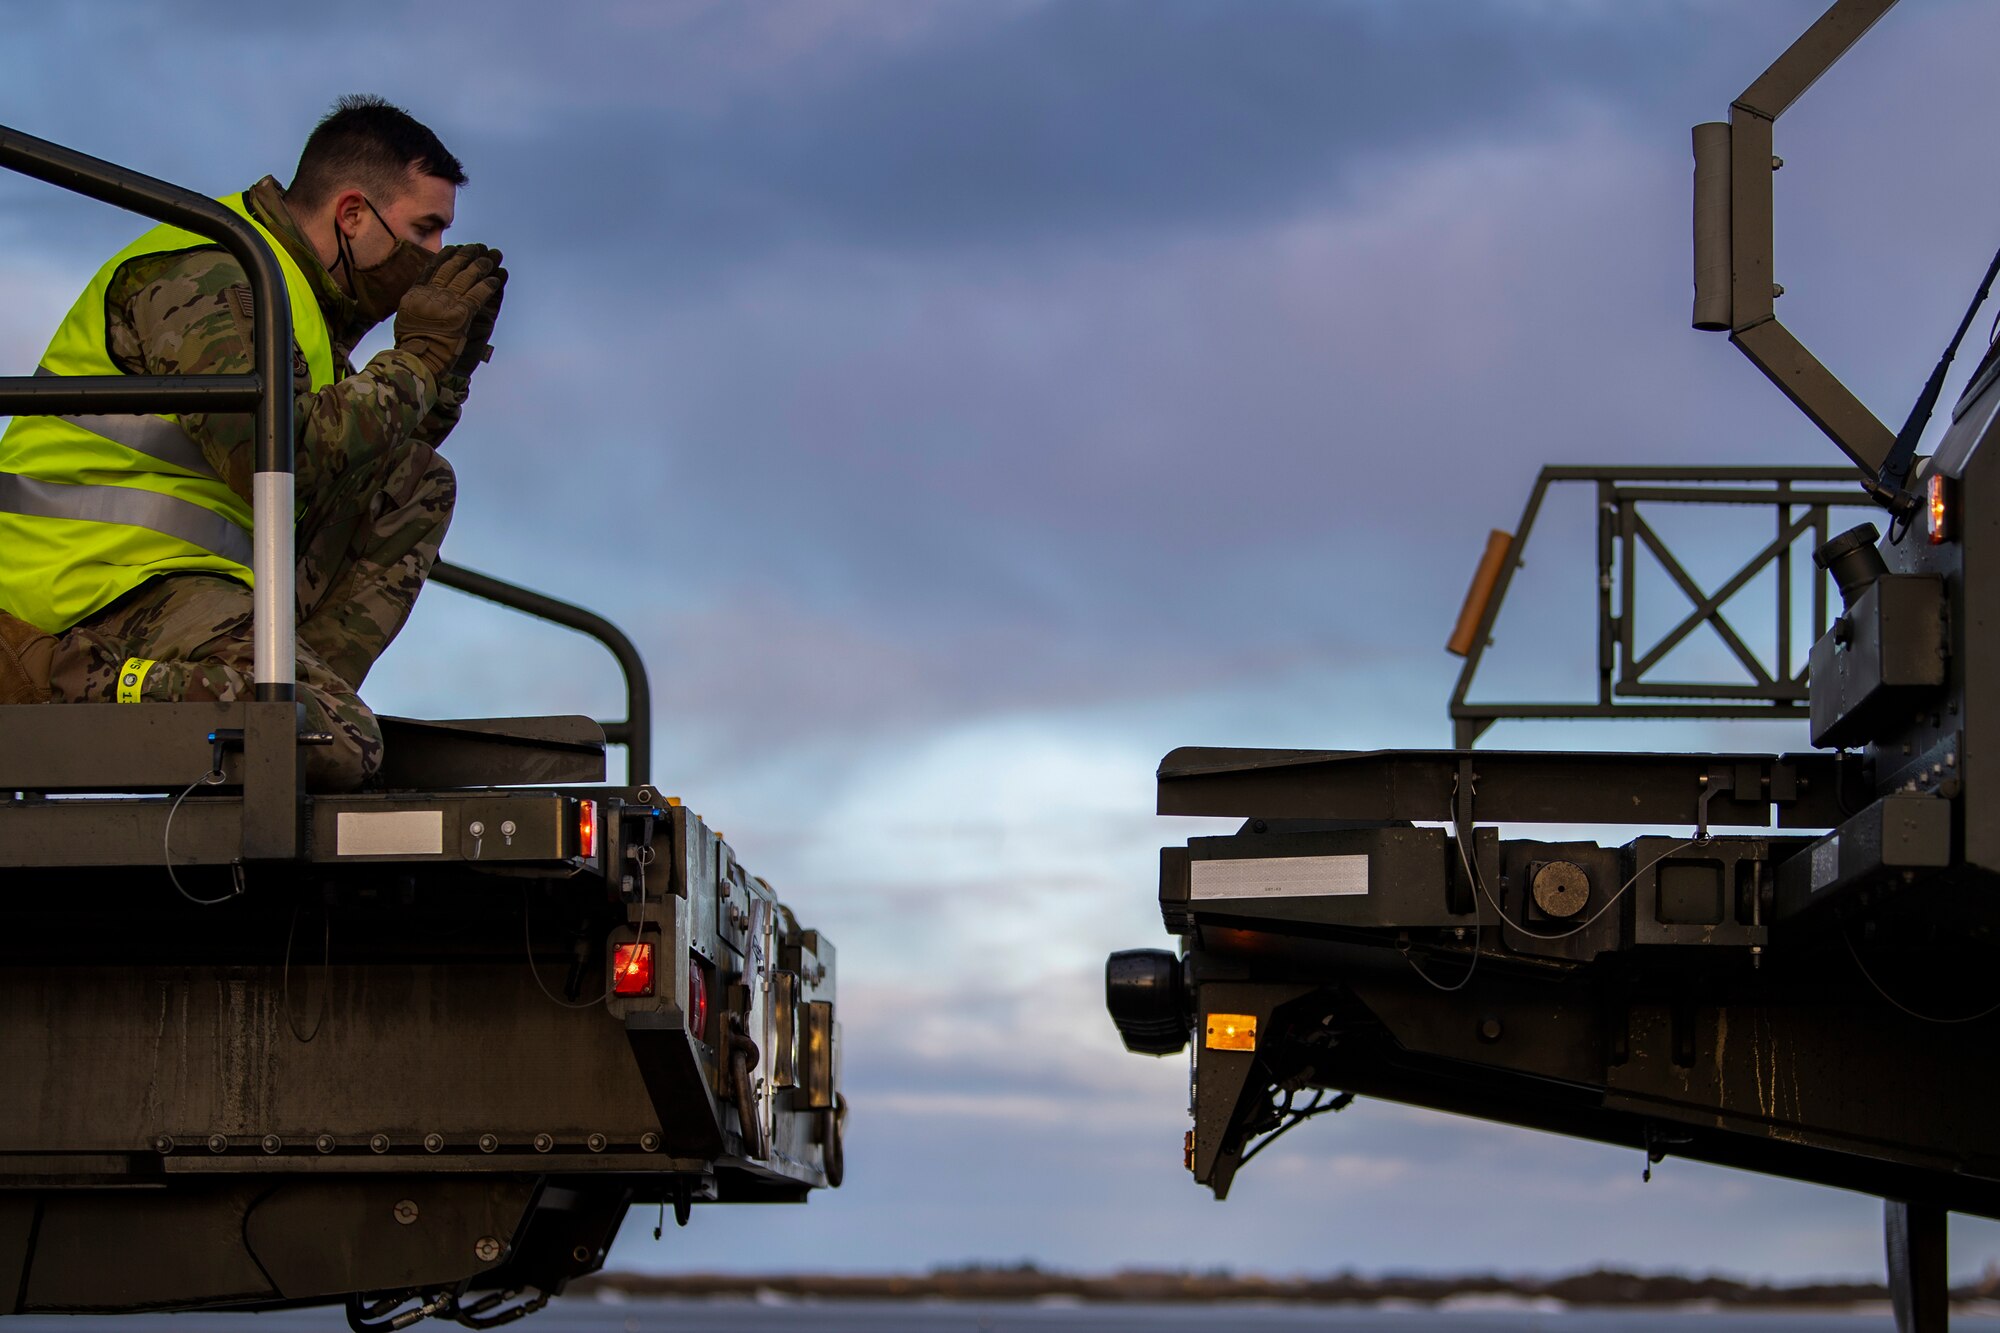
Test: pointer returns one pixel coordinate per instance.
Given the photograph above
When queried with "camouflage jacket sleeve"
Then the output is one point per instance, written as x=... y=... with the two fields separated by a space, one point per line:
x=190 y=314
x=445 y=412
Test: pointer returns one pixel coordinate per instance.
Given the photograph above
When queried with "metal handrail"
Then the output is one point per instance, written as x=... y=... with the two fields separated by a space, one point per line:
x=265 y=390
x=635 y=733
x=1621 y=690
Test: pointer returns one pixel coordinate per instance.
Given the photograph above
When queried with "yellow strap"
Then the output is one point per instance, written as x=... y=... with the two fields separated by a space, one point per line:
x=132 y=677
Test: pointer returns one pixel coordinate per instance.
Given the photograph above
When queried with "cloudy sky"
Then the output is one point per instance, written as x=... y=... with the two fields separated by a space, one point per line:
x=965 y=403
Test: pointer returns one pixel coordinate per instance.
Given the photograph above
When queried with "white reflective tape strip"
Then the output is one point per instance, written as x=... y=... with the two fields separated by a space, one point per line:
x=131 y=505
x=275 y=576
x=388 y=833
x=155 y=437
x=1280 y=877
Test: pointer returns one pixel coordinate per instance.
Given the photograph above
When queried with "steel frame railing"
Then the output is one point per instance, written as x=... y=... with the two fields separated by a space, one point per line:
x=264 y=391
x=635 y=732
x=1800 y=498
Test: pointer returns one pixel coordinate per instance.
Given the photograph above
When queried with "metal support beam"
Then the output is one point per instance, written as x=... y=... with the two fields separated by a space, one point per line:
x=1913 y=1235
x=1808 y=790
x=1815 y=391
x=1738 y=204
x=1812 y=55
x=1750 y=287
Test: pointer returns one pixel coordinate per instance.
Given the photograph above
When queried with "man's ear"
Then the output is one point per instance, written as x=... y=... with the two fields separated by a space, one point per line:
x=350 y=207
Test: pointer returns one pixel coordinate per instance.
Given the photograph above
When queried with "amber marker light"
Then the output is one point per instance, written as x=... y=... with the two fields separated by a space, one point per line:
x=697 y=1010
x=1938 y=509
x=1231 y=1032
x=586 y=829
x=632 y=969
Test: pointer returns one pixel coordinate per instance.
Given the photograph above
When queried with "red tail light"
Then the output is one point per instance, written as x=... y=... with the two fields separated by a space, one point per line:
x=586 y=828
x=632 y=969
x=697 y=1014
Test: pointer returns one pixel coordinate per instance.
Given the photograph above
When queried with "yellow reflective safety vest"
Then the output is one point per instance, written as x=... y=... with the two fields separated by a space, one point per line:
x=93 y=506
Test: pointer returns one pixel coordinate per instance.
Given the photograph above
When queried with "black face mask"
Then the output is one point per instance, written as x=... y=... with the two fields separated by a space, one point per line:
x=379 y=288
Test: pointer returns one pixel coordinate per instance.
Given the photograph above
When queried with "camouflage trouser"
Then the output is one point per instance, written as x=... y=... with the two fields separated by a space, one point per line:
x=364 y=551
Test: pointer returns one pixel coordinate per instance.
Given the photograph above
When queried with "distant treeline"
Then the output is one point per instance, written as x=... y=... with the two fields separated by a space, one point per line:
x=1026 y=1282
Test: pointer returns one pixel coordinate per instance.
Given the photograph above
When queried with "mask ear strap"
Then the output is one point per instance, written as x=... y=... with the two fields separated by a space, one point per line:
x=344 y=252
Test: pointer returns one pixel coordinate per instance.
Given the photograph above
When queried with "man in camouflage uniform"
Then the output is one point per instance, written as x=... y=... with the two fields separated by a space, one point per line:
x=363 y=220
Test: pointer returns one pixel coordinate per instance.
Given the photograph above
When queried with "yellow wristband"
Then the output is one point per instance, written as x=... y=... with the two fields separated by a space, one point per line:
x=132 y=678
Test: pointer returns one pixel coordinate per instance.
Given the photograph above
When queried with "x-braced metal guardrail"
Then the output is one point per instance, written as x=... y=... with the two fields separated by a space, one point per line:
x=1628 y=682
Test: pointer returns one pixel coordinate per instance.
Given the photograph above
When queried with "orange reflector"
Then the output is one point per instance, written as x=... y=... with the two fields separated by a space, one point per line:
x=1938 y=509
x=1484 y=580
x=1231 y=1032
x=632 y=969
x=586 y=828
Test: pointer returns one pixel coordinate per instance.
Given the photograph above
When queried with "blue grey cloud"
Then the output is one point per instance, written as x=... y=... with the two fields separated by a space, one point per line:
x=986 y=126
x=908 y=377
x=1059 y=123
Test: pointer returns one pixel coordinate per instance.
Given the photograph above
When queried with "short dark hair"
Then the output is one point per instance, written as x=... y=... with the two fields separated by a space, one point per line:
x=365 y=141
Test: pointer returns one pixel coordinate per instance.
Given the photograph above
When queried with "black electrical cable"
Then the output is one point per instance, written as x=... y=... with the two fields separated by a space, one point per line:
x=1591 y=920
x=1340 y=1103
x=528 y=934
x=1896 y=467
x=528 y=937
x=1463 y=981
x=1480 y=884
x=213 y=778
x=1926 y=1018
x=1460 y=836
x=285 y=984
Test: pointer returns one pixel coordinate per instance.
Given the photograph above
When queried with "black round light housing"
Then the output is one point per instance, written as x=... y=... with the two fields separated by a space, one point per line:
x=1148 y=1001
x=1853 y=560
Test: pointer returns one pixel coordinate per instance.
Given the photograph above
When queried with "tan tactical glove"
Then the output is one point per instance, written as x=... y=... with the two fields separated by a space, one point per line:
x=435 y=318
x=479 y=336
x=27 y=657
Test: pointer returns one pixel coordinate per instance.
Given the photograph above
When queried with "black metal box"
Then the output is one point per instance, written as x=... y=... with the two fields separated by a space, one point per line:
x=1885 y=654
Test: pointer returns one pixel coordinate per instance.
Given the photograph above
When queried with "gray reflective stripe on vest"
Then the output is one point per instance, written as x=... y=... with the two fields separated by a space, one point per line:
x=128 y=505
x=155 y=437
